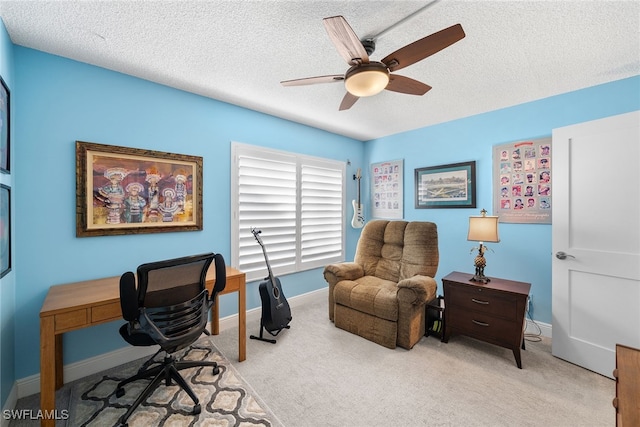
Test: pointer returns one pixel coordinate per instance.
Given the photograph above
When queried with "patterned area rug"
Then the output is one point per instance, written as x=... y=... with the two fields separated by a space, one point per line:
x=226 y=399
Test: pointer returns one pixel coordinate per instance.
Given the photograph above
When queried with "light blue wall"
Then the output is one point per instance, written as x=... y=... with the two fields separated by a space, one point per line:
x=62 y=101
x=58 y=101
x=524 y=252
x=8 y=282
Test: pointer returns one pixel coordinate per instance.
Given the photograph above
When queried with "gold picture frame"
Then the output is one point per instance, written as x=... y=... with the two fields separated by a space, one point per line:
x=121 y=190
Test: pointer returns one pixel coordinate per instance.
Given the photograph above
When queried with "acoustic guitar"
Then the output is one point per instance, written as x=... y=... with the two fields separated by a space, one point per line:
x=276 y=313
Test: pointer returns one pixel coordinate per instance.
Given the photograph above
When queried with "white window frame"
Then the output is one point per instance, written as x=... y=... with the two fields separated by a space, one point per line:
x=252 y=262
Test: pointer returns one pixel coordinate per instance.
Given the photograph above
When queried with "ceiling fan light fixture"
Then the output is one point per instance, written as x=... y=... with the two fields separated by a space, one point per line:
x=367 y=79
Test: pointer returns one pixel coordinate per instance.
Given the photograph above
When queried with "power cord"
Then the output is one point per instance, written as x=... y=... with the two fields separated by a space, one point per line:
x=532 y=337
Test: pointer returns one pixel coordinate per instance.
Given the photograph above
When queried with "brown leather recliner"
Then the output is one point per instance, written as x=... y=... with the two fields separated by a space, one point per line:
x=381 y=296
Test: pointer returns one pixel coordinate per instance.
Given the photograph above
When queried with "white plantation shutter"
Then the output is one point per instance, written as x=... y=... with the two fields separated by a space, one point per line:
x=298 y=203
x=321 y=217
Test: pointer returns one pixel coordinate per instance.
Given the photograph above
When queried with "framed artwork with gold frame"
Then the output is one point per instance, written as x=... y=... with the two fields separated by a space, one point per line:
x=121 y=190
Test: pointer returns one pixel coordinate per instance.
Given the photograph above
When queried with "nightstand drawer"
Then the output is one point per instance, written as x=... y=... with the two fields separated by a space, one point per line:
x=483 y=300
x=477 y=324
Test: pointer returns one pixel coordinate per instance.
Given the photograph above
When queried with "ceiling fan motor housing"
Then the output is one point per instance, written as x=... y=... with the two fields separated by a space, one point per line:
x=369 y=45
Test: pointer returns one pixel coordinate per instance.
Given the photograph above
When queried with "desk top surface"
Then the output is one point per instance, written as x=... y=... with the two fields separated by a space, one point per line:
x=99 y=291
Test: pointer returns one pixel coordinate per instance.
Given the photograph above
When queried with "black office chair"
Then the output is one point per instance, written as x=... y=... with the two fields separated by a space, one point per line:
x=170 y=308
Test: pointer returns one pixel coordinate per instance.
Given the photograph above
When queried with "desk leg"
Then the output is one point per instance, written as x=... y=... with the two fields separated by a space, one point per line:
x=215 y=317
x=48 y=370
x=59 y=365
x=242 y=326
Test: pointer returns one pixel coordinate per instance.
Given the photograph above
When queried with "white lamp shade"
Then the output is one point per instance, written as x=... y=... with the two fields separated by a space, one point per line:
x=483 y=229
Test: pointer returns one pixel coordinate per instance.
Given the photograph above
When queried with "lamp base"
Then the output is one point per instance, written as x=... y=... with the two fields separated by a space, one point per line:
x=480 y=279
x=480 y=263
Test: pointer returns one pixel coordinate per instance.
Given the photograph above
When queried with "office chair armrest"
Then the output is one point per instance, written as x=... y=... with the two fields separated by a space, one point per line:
x=128 y=296
x=417 y=290
x=221 y=276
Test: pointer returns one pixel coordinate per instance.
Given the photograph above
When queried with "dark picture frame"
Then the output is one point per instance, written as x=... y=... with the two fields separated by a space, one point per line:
x=121 y=190
x=5 y=230
x=446 y=186
x=5 y=128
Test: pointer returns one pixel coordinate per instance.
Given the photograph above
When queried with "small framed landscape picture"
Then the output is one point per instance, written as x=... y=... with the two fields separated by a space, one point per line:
x=446 y=186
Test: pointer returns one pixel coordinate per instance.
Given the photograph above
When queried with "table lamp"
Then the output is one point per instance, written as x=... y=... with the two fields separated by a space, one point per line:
x=482 y=229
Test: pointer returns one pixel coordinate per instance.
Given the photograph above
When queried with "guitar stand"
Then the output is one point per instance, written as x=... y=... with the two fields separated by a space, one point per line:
x=262 y=338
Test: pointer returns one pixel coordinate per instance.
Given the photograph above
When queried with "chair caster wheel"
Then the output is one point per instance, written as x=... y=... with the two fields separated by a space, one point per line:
x=216 y=370
x=197 y=409
x=120 y=393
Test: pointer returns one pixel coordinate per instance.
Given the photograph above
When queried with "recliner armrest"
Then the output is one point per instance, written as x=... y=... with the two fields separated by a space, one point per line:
x=417 y=290
x=333 y=273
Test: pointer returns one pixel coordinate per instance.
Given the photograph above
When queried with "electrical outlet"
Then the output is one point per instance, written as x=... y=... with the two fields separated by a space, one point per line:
x=529 y=303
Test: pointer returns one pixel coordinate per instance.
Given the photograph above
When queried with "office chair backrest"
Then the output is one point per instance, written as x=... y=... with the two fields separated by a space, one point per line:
x=171 y=303
x=174 y=281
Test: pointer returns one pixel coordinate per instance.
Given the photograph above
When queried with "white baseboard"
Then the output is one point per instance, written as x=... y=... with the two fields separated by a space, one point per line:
x=537 y=327
x=73 y=371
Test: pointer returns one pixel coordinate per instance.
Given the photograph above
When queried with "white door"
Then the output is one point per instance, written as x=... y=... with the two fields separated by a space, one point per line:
x=596 y=224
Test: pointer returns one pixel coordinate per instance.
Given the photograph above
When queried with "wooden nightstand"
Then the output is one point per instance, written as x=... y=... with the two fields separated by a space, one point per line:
x=493 y=312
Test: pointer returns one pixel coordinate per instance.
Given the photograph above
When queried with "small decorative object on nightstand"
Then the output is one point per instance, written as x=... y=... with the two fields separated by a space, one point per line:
x=492 y=312
x=482 y=229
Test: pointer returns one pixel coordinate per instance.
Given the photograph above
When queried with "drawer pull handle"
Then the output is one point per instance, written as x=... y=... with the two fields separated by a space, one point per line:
x=480 y=323
x=477 y=301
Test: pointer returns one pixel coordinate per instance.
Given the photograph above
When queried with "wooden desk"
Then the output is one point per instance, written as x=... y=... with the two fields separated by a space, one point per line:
x=82 y=304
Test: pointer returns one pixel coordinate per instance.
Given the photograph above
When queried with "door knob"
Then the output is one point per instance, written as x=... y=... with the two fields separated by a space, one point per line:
x=564 y=255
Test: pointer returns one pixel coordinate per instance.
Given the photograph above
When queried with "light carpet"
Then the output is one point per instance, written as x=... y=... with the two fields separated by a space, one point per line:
x=319 y=375
x=226 y=399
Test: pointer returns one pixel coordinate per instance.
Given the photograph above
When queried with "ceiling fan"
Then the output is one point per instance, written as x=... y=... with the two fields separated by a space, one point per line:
x=367 y=78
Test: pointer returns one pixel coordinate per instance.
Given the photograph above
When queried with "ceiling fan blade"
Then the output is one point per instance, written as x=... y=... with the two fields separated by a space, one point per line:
x=345 y=40
x=406 y=85
x=313 y=80
x=423 y=48
x=348 y=101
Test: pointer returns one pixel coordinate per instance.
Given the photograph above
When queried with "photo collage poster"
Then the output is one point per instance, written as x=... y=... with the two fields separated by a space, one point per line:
x=522 y=182
x=387 y=194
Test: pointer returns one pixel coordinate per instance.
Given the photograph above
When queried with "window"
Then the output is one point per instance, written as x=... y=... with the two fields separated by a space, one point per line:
x=298 y=203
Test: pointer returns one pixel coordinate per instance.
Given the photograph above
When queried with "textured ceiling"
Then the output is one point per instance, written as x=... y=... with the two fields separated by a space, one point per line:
x=239 y=51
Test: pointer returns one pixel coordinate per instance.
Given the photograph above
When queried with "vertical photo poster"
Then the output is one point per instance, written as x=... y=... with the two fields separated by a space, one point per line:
x=522 y=182
x=387 y=193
